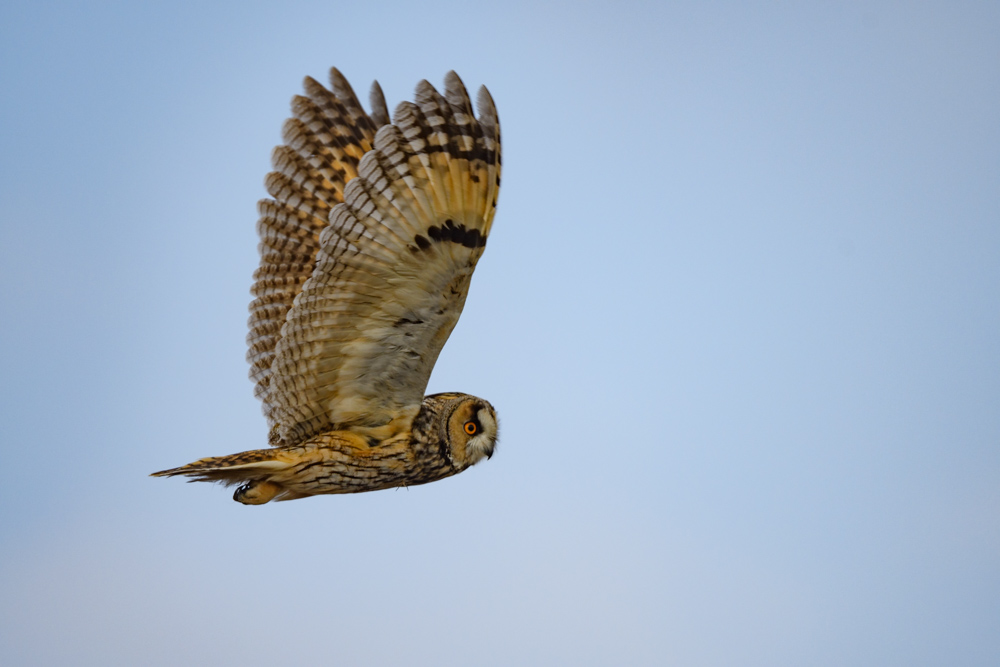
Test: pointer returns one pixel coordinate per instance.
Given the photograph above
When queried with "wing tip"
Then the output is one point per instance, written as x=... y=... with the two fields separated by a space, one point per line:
x=486 y=106
x=376 y=100
x=455 y=91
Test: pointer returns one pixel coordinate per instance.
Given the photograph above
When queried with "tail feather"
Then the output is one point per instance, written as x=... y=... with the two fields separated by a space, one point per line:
x=253 y=465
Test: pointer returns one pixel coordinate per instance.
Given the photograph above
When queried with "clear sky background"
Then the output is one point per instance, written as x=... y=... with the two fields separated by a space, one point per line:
x=740 y=316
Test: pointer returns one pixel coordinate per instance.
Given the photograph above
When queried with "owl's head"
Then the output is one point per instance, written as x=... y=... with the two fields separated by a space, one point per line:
x=467 y=425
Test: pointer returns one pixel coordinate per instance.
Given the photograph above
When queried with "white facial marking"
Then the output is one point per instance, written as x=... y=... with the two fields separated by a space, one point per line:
x=486 y=419
x=482 y=443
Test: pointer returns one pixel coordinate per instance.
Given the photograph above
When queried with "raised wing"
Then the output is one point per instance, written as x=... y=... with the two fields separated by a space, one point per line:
x=325 y=140
x=392 y=271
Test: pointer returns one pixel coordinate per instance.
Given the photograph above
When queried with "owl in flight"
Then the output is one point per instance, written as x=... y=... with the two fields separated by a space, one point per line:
x=367 y=249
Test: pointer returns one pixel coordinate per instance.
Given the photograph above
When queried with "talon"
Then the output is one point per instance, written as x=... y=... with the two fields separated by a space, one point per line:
x=256 y=492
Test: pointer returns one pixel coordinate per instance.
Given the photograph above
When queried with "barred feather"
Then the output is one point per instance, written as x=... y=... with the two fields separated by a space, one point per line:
x=324 y=141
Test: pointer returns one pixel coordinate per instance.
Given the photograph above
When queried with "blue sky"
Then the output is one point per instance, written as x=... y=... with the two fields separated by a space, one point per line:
x=739 y=316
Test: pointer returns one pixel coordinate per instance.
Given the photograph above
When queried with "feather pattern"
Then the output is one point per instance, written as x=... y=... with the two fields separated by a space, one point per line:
x=392 y=271
x=324 y=142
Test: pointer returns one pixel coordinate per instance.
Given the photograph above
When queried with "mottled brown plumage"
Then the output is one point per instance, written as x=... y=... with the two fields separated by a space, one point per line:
x=367 y=251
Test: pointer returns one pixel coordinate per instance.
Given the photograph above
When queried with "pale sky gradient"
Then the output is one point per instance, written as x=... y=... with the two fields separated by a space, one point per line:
x=739 y=314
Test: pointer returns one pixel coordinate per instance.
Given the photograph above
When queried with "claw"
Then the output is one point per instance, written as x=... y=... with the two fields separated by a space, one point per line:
x=257 y=492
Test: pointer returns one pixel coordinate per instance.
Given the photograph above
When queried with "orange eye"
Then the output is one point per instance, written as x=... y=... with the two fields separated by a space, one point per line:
x=471 y=428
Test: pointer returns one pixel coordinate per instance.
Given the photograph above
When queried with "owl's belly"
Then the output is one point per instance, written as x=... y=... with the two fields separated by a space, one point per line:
x=344 y=462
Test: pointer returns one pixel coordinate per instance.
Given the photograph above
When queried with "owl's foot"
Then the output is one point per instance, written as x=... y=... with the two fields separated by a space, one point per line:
x=257 y=492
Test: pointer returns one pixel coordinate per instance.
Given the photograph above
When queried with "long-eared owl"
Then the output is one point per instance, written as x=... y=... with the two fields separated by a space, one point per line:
x=367 y=249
